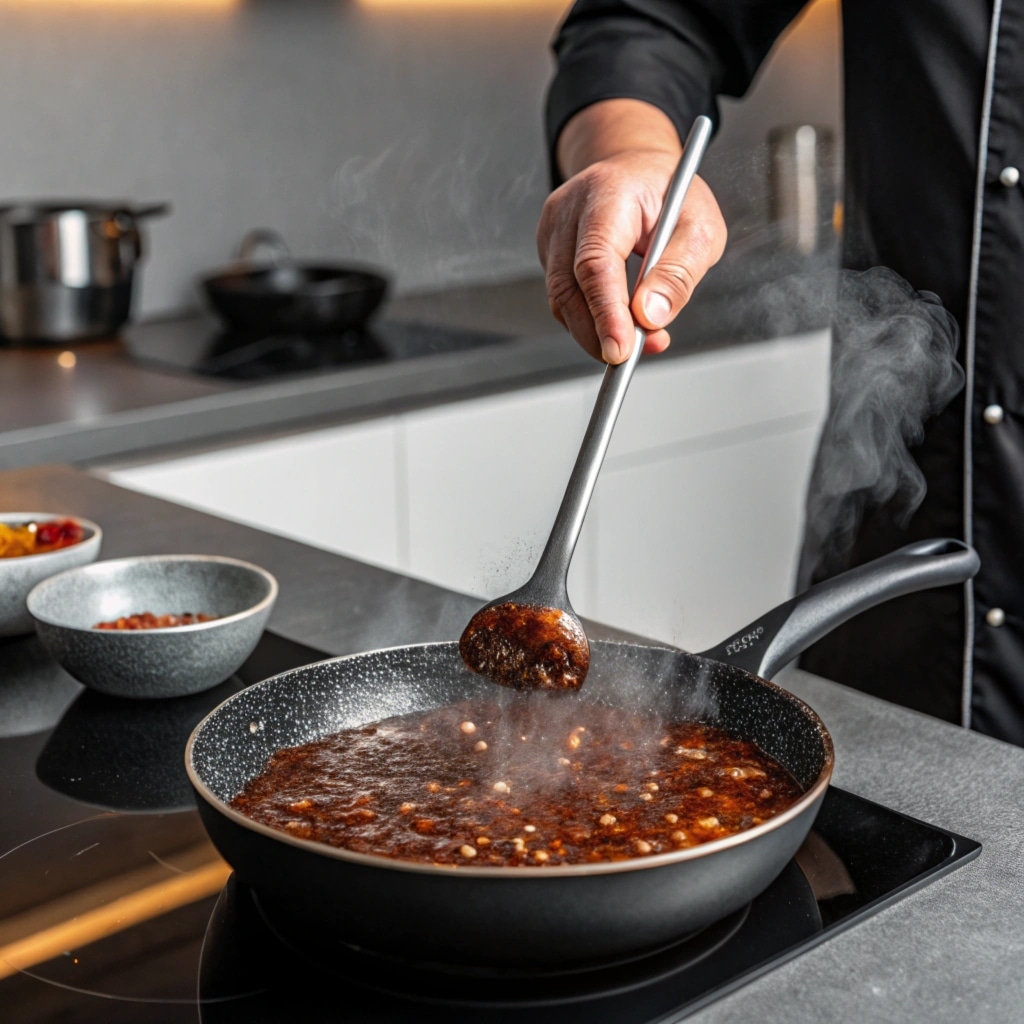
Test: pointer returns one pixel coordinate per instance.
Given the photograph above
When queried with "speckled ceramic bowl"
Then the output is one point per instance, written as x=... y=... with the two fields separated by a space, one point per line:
x=19 y=575
x=154 y=662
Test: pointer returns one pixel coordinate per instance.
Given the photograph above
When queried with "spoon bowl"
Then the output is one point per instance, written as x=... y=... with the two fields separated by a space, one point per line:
x=527 y=646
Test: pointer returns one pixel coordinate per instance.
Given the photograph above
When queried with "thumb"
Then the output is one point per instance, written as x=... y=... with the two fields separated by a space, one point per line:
x=656 y=305
x=666 y=289
x=695 y=247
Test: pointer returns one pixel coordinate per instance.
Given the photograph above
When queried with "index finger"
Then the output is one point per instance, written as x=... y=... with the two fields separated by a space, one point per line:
x=606 y=238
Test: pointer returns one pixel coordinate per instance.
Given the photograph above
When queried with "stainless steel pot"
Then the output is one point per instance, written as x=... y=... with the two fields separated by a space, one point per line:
x=66 y=268
x=803 y=186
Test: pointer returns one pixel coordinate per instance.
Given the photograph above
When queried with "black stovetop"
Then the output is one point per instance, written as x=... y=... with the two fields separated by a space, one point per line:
x=115 y=908
x=201 y=346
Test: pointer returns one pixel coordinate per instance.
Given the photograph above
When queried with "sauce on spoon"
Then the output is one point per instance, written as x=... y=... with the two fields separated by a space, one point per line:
x=527 y=647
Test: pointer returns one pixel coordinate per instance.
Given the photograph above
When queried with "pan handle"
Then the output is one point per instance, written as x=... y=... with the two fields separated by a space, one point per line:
x=778 y=636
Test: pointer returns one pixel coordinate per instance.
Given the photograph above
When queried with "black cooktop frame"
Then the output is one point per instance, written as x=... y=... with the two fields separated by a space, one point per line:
x=860 y=858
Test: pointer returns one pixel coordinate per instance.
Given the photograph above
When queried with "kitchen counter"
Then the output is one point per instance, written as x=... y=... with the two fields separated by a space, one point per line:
x=952 y=950
x=106 y=405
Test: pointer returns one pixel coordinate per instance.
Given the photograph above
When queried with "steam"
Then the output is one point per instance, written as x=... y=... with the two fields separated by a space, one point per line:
x=893 y=368
x=448 y=227
x=533 y=738
x=632 y=695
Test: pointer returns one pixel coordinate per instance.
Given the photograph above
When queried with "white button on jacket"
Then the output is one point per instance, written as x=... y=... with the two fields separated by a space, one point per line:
x=995 y=616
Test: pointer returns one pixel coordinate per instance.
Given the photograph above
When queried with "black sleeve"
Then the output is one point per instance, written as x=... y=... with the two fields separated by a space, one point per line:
x=678 y=55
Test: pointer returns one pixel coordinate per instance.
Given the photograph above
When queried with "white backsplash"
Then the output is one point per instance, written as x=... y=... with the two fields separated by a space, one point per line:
x=408 y=136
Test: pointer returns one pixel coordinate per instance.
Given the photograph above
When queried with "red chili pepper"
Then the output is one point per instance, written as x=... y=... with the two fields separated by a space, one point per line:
x=58 y=533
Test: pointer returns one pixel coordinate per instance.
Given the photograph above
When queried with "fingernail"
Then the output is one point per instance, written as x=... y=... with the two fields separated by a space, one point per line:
x=610 y=350
x=657 y=308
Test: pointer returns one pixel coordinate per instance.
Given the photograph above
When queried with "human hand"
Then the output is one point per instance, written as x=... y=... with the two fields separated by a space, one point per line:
x=592 y=223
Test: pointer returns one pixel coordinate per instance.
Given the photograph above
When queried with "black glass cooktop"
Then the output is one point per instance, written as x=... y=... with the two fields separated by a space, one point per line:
x=201 y=346
x=115 y=908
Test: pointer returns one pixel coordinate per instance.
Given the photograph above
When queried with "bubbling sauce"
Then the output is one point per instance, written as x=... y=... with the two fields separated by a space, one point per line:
x=484 y=783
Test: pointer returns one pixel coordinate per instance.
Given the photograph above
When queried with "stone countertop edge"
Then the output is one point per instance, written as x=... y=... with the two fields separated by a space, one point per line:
x=357 y=392
x=181 y=411
x=951 y=950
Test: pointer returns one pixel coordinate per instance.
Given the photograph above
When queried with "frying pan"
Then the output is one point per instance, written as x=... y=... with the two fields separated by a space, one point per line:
x=285 y=296
x=560 y=917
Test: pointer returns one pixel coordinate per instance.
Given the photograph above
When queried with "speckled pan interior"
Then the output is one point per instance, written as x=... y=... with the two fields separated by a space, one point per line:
x=233 y=743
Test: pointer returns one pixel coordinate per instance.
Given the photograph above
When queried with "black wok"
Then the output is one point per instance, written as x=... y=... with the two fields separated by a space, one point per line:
x=558 y=917
x=287 y=296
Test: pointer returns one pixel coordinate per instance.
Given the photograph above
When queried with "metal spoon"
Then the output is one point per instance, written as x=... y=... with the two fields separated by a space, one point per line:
x=531 y=639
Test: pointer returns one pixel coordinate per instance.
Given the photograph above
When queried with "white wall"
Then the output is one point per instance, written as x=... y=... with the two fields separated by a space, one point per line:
x=694 y=526
x=399 y=133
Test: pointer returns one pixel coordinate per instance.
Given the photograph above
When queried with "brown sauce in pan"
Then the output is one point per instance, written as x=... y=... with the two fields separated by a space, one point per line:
x=480 y=783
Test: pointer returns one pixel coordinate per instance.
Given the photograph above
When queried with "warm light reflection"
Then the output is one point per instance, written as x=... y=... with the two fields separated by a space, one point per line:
x=478 y=5
x=119 y=914
x=67 y=360
x=158 y=5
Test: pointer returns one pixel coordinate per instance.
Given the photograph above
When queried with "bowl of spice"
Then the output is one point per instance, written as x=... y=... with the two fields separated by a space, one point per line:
x=34 y=546
x=154 y=626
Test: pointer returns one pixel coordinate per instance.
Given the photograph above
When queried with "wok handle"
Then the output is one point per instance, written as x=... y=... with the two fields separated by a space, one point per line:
x=778 y=636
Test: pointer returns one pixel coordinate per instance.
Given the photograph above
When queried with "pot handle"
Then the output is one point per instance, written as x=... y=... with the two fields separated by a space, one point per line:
x=264 y=245
x=130 y=238
x=149 y=210
x=130 y=244
x=778 y=636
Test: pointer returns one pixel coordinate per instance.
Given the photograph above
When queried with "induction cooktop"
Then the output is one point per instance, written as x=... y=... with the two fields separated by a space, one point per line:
x=114 y=907
x=201 y=346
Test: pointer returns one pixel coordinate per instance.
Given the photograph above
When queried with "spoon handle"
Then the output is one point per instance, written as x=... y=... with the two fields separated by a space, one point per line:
x=554 y=562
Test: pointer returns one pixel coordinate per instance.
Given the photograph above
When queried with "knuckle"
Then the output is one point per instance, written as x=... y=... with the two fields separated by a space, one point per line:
x=546 y=228
x=561 y=288
x=594 y=265
x=556 y=310
x=681 y=268
x=565 y=300
x=706 y=241
x=702 y=239
x=677 y=279
x=556 y=227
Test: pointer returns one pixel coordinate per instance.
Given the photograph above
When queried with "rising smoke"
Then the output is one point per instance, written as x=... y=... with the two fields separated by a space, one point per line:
x=441 y=216
x=893 y=368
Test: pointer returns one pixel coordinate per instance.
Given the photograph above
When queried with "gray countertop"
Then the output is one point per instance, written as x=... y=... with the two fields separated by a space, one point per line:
x=106 y=405
x=950 y=951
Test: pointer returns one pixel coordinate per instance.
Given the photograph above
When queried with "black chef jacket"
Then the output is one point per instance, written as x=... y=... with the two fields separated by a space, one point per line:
x=934 y=122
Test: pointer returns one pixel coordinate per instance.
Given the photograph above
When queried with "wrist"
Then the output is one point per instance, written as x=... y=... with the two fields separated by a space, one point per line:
x=612 y=128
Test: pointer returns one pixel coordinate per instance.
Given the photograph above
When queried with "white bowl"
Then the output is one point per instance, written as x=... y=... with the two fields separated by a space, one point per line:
x=19 y=575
